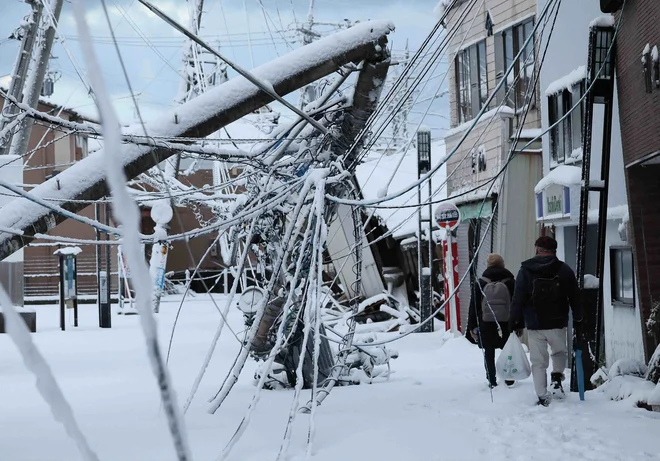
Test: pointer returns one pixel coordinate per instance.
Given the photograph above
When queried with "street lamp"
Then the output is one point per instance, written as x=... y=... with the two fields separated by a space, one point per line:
x=425 y=274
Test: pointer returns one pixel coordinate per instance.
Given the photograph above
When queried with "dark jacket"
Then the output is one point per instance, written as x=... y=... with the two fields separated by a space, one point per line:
x=523 y=313
x=488 y=330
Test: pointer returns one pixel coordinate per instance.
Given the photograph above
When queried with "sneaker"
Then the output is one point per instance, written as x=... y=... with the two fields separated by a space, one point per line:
x=543 y=401
x=509 y=383
x=556 y=389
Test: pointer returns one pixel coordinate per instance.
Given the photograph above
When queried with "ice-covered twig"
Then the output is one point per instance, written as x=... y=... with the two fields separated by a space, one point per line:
x=46 y=383
x=128 y=214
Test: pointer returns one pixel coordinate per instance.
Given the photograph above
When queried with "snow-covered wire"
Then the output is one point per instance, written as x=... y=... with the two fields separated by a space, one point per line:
x=127 y=212
x=473 y=123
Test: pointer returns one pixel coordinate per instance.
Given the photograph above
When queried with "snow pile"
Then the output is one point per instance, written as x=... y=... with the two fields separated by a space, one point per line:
x=567 y=82
x=654 y=398
x=614 y=213
x=438 y=393
x=504 y=110
x=591 y=282
x=624 y=367
x=602 y=21
x=530 y=133
x=563 y=175
x=68 y=251
x=627 y=387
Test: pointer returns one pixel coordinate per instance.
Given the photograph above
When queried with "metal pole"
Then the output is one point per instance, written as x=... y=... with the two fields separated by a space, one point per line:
x=36 y=79
x=75 y=291
x=62 y=322
x=108 y=292
x=420 y=262
x=21 y=68
x=453 y=317
x=430 y=273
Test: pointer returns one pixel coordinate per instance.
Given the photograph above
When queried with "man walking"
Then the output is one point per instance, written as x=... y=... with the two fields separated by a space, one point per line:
x=545 y=288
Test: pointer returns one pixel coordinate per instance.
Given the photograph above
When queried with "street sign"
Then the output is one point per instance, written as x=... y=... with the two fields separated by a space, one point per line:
x=448 y=216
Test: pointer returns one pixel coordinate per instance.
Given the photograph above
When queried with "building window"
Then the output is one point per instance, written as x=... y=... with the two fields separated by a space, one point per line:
x=566 y=137
x=471 y=81
x=81 y=143
x=508 y=44
x=622 y=275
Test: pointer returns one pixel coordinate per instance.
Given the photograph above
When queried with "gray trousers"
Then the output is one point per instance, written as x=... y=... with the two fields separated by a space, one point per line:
x=538 y=342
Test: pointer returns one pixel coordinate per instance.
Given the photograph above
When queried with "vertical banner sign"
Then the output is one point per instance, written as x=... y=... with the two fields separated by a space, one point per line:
x=445 y=261
x=448 y=217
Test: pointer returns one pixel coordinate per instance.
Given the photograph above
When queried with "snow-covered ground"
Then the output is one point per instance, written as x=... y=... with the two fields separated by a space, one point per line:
x=435 y=406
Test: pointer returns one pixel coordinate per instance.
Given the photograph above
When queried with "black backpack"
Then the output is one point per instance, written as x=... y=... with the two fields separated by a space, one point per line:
x=548 y=298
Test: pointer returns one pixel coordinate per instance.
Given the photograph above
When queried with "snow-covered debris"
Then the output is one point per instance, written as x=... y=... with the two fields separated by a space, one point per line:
x=624 y=367
x=68 y=251
x=602 y=21
x=504 y=110
x=563 y=175
x=567 y=81
x=591 y=282
x=628 y=387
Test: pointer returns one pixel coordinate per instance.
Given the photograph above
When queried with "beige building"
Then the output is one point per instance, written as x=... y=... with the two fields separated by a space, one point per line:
x=489 y=35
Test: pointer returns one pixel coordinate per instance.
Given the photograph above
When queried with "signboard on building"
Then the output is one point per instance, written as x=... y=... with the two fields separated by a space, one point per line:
x=553 y=202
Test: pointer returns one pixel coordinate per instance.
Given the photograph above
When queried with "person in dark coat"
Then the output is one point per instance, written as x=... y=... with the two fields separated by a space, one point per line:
x=486 y=333
x=545 y=290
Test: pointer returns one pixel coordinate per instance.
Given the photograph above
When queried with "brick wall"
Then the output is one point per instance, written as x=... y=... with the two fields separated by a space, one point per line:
x=644 y=201
x=638 y=110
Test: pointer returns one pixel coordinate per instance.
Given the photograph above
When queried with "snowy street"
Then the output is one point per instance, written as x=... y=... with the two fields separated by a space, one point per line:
x=436 y=405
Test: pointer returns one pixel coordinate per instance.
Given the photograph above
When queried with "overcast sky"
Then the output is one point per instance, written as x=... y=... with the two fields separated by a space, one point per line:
x=153 y=64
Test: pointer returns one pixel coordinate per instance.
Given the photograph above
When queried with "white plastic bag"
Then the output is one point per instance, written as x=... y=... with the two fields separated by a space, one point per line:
x=512 y=364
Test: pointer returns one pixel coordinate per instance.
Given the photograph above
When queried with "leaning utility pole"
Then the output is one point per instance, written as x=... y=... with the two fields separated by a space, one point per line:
x=28 y=31
x=38 y=70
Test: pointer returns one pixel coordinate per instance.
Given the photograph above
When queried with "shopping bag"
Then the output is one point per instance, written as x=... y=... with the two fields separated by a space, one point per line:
x=512 y=364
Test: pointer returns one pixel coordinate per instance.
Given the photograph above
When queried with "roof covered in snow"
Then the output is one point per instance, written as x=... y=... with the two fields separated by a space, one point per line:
x=567 y=81
x=602 y=21
x=563 y=175
x=373 y=174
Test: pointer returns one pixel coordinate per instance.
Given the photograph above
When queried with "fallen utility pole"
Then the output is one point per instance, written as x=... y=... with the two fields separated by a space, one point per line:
x=198 y=118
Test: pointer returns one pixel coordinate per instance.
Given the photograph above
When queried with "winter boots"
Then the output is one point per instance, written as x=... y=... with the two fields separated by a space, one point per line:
x=543 y=401
x=556 y=389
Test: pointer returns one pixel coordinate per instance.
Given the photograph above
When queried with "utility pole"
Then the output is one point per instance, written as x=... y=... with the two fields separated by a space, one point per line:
x=38 y=73
x=28 y=31
x=425 y=273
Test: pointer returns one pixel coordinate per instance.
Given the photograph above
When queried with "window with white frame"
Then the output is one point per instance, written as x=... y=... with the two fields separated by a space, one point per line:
x=471 y=81
x=566 y=137
x=508 y=43
x=622 y=275
x=81 y=143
